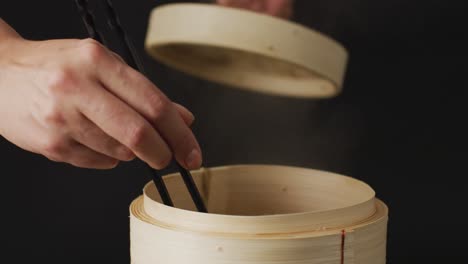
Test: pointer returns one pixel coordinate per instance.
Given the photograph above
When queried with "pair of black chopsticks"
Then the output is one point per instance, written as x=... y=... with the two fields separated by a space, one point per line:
x=131 y=57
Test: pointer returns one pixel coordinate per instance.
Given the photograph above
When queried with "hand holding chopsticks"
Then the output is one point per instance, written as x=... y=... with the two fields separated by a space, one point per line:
x=156 y=109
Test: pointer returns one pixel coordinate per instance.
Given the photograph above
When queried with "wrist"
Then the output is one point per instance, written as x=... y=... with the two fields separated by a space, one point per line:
x=8 y=37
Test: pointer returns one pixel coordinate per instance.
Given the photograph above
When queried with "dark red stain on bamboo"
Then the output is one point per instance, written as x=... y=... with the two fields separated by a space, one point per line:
x=343 y=237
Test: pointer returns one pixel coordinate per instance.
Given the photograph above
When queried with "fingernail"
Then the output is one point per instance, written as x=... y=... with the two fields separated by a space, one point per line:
x=193 y=160
x=192 y=117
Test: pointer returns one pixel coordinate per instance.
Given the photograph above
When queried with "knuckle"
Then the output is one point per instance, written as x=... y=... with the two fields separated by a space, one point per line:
x=121 y=69
x=117 y=56
x=162 y=161
x=125 y=154
x=61 y=81
x=51 y=111
x=136 y=135
x=92 y=51
x=54 y=148
x=158 y=106
x=53 y=115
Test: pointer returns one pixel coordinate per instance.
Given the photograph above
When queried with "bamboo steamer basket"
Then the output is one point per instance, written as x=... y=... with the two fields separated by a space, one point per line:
x=261 y=214
x=247 y=50
x=257 y=213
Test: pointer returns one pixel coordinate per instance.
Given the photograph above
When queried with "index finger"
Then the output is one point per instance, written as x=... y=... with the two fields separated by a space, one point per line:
x=125 y=125
x=143 y=96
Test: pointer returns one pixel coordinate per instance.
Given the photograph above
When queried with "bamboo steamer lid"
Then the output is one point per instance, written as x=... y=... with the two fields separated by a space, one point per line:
x=261 y=214
x=246 y=50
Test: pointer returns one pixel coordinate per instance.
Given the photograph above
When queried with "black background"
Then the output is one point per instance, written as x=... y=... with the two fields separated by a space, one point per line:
x=397 y=126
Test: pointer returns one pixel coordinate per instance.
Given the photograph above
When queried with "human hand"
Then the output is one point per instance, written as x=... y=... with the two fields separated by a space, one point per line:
x=75 y=101
x=279 y=8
